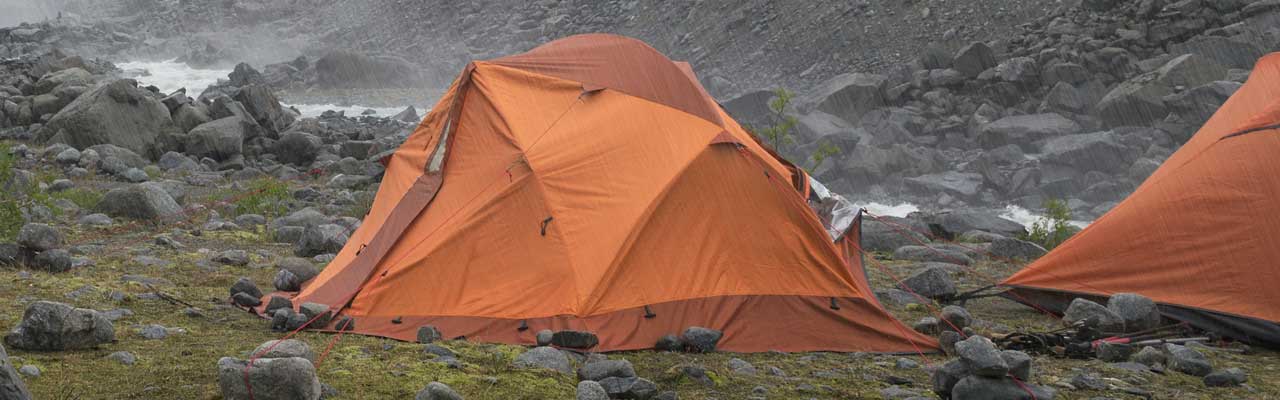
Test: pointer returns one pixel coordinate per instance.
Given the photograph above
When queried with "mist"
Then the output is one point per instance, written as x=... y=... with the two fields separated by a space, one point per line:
x=19 y=11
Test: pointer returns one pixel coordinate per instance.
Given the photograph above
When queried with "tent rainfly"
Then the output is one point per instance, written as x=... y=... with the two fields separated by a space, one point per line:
x=1199 y=237
x=592 y=184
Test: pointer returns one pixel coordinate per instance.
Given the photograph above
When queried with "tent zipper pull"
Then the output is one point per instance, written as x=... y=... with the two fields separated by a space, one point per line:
x=834 y=306
x=648 y=313
x=524 y=326
x=361 y=249
x=397 y=320
x=544 y=225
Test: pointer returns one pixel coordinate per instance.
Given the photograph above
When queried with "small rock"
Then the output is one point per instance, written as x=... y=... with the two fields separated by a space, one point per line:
x=944 y=378
x=701 y=340
x=544 y=357
x=979 y=387
x=669 y=343
x=1150 y=357
x=310 y=311
x=49 y=326
x=1093 y=315
x=629 y=388
x=741 y=367
x=153 y=332
x=123 y=357
x=276 y=303
x=245 y=300
x=591 y=390
x=428 y=334
x=30 y=370
x=437 y=391
x=1088 y=382
x=575 y=339
x=233 y=257
x=932 y=282
x=543 y=337
x=1114 y=352
x=1226 y=377
x=246 y=286
x=1187 y=360
x=595 y=371
x=955 y=317
x=1019 y=364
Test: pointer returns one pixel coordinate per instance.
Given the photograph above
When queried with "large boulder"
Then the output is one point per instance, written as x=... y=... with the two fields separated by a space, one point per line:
x=140 y=202
x=1093 y=315
x=289 y=378
x=39 y=237
x=890 y=234
x=116 y=112
x=971 y=60
x=1025 y=130
x=1187 y=360
x=69 y=76
x=985 y=388
x=437 y=391
x=11 y=386
x=951 y=225
x=298 y=148
x=220 y=139
x=1015 y=249
x=933 y=282
x=848 y=96
x=1226 y=51
x=265 y=108
x=1098 y=151
x=50 y=326
x=320 y=239
x=1139 y=101
x=345 y=69
x=981 y=357
x=965 y=185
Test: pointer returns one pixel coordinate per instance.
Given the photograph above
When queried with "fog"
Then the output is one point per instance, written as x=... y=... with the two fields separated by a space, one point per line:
x=19 y=11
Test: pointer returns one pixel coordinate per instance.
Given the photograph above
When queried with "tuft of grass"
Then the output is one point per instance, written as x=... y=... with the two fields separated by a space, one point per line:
x=265 y=196
x=1054 y=228
x=362 y=205
x=84 y=198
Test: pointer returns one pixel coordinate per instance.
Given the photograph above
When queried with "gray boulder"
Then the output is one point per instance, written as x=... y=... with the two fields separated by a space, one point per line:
x=1015 y=249
x=284 y=349
x=1094 y=315
x=116 y=112
x=437 y=391
x=11 y=386
x=189 y=116
x=1139 y=101
x=50 y=326
x=1098 y=151
x=1150 y=356
x=265 y=108
x=140 y=202
x=944 y=378
x=932 y=282
x=985 y=388
x=847 y=96
x=291 y=378
x=320 y=239
x=298 y=148
x=39 y=237
x=544 y=357
x=1025 y=130
x=1223 y=378
x=345 y=69
x=950 y=225
x=1187 y=360
x=889 y=236
x=1227 y=51
x=701 y=340
x=1139 y=313
x=590 y=390
x=1019 y=364
x=629 y=388
x=56 y=260
x=964 y=185
x=981 y=357
x=971 y=60
x=220 y=139
x=594 y=371
x=931 y=254
x=574 y=339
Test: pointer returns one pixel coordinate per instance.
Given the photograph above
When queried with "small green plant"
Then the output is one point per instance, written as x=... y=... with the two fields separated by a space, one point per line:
x=822 y=153
x=10 y=209
x=779 y=134
x=84 y=198
x=262 y=196
x=1054 y=227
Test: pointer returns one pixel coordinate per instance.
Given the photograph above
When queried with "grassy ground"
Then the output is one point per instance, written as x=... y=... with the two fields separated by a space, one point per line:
x=183 y=366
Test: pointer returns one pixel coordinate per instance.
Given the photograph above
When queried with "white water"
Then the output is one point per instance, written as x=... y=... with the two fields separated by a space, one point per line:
x=170 y=76
x=1011 y=212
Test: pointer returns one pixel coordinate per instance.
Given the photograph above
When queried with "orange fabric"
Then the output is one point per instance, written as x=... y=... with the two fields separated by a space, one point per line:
x=573 y=207
x=1201 y=232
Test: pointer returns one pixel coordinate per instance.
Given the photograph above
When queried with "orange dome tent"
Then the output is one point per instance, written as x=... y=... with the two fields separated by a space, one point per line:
x=1201 y=236
x=592 y=184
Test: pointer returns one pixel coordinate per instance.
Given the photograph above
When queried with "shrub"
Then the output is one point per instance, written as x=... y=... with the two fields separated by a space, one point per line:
x=779 y=134
x=263 y=196
x=1054 y=227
